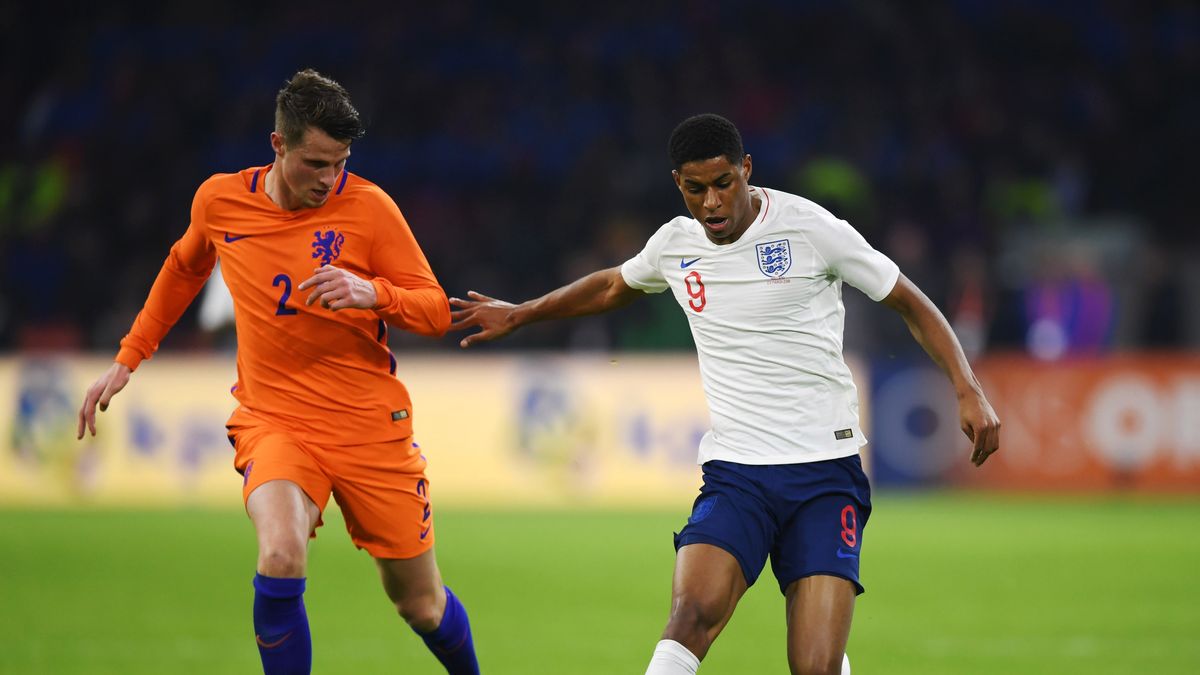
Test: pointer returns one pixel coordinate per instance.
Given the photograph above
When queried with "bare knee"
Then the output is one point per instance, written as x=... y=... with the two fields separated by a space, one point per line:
x=695 y=622
x=816 y=662
x=422 y=611
x=415 y=588
x=285 y=559
x=283 y=517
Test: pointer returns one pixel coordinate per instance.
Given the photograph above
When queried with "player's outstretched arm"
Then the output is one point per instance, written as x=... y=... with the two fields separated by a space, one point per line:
x=933 y=333
x=595 y=293
x=101 y=392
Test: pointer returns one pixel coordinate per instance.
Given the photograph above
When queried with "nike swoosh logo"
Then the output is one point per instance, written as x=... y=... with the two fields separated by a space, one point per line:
x=271 y=645
x=842 y=553
x=230 y=240
x=683 y=265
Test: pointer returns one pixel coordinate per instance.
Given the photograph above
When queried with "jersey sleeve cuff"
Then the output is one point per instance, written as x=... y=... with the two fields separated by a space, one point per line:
x=628 y=276
x=890 y=284
x=383 y=293
x=129 y=358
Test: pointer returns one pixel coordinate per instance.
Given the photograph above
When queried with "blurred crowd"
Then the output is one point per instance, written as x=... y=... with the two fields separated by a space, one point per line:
x=1025 y=162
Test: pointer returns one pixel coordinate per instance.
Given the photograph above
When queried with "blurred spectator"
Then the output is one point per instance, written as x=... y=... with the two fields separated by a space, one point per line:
x=1069 y=308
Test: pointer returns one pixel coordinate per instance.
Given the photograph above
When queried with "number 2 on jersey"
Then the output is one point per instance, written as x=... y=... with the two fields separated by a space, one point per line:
x=283 y=309
x=696 y=292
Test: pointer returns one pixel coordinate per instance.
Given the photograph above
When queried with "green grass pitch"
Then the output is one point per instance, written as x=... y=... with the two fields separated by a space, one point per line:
x=956 y=584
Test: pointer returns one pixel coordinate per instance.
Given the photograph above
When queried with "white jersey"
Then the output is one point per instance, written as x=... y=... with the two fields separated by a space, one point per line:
x=766 y=314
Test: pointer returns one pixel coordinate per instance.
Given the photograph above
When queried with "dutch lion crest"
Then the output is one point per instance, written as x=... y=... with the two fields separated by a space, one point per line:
x=774 y=258
x=328 y=245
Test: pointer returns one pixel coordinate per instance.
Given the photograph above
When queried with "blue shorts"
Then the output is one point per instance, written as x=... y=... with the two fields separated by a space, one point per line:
x=808 y=518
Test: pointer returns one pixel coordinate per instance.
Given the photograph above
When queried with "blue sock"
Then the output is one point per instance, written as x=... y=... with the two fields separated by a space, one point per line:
x=281 y=626
x=451 y=643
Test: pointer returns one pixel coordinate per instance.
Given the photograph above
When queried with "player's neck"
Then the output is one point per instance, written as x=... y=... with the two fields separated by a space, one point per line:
x=275 y=193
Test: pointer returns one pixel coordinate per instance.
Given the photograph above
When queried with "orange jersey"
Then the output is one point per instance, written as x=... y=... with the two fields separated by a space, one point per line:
x=326 y=375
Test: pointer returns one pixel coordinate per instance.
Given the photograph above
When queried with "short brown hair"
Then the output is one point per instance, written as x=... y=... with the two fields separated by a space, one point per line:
x=310 y=99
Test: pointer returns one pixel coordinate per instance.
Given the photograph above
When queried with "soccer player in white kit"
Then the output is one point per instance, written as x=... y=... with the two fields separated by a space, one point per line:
x=759 y=273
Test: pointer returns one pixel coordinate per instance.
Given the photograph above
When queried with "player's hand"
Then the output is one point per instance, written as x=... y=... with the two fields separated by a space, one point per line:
x=980 y=424
x=335 y=289
x=494 y=318
x=101 y=392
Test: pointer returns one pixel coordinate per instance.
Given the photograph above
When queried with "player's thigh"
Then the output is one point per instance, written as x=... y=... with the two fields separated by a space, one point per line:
x=281 y=511
x=283 y=483
x=385 y=498
x=723 y=546
x=732 y=515
x=822 y=532
x=820 y=609
x=707 y=584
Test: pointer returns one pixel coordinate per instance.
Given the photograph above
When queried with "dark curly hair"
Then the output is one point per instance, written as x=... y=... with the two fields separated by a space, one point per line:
x=310 y=99
x=704 y=137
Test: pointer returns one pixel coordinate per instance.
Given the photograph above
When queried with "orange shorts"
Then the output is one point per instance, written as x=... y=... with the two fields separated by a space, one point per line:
x=381 y=487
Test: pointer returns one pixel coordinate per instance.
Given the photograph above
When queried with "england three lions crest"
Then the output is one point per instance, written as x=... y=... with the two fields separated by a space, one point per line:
x=774 y=258
x=328 y=245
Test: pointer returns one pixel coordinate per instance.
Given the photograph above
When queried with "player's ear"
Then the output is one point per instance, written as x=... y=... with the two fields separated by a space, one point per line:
x=678 y=179
x=277 y=143
x=747 y=167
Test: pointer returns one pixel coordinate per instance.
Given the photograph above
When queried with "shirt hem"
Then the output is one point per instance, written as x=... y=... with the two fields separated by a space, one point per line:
x=761 y=460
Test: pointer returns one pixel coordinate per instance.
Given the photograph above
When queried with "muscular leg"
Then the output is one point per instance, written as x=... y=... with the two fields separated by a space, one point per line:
x=707 y=586
x=415 y=587
x=283 y=517
x=819 y=610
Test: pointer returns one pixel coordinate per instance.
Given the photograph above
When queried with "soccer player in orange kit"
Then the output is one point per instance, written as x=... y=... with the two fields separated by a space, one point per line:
x=318 y=262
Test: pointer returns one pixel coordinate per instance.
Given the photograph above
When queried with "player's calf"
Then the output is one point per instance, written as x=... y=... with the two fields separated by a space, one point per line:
x=450 y=641
x=281 y=626
x=440 y=620
x=816 y=662
x=415 y=587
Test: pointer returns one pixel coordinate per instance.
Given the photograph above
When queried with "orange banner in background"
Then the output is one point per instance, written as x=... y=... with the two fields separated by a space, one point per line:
x=1119 y=423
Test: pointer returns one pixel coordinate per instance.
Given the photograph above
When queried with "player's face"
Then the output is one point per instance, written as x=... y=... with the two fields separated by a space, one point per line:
x=717 y=193
x=308 y=169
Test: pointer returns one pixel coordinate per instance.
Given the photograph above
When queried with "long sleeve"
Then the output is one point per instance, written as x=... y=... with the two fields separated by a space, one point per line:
x=409 y=295
x=183 y=274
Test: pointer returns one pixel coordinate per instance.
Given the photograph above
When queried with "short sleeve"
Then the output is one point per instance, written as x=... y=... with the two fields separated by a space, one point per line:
x=642 y=271
x=850 y=258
